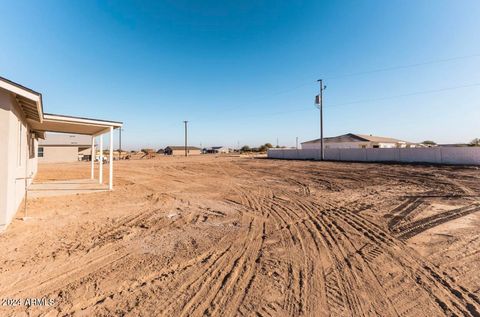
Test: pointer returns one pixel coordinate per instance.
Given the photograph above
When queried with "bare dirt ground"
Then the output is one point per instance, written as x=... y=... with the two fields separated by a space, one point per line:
x=208 y=236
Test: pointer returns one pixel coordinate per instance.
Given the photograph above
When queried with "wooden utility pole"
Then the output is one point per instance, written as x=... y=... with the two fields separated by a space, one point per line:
x=120 y=143
x=186 y=138
x=319 y=104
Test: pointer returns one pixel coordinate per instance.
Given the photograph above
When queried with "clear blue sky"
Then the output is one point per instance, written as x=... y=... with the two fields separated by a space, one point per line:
x=245 y=71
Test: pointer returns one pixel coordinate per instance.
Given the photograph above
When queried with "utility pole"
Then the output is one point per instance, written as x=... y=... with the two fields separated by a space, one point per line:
x=319 y=104
x=120 y=143
x=277 y=142
x=296 y=143
x=186 y=149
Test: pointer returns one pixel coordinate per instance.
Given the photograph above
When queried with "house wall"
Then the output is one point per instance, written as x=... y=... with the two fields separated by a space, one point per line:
x=182 y=152
x=16 y=165
x=336 y=145
x=388 y=145
x=438 y=155
x=4 y=144
x=58 y=154
x=348 y=145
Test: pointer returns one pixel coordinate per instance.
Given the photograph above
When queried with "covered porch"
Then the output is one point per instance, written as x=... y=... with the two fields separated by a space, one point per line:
x=86 y=126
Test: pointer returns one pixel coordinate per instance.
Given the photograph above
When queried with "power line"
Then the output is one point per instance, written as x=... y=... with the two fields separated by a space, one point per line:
x=378 y=70
x=424 y=92
x=386 y=69
x=363 y=100
x=357 y=101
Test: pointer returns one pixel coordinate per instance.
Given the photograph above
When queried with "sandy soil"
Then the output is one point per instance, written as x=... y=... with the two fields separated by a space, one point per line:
x=208 y=236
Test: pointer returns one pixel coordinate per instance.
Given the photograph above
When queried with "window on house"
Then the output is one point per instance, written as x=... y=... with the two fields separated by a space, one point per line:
x=40 y=151
x=376 y=146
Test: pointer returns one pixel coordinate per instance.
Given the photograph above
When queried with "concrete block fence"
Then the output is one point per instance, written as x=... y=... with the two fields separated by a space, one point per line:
x=437 y=155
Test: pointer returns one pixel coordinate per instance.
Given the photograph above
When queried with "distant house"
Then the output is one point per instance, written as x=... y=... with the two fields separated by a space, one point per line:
x=351 y=140
x=60 y=147
x=216 y=150
x=180 y=150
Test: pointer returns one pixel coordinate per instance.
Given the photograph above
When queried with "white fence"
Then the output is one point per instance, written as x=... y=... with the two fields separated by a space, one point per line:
x=437 y=155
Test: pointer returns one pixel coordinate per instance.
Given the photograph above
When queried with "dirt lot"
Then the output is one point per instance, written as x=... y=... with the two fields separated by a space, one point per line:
x=238 y=236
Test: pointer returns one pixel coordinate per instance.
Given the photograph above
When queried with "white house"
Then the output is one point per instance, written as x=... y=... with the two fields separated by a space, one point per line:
x=22 y=124
x=351 y=140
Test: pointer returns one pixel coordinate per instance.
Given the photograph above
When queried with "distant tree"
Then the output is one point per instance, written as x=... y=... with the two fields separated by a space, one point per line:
x=146 y=151
x=245 y=148
x=268 y=145
x=428 y=142
x=475 y=142
x=263 y=148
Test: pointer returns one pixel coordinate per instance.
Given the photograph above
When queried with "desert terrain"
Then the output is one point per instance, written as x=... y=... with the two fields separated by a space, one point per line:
x=233 y=236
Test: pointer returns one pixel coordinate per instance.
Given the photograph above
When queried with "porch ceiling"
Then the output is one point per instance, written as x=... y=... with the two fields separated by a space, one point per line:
x=76 y=125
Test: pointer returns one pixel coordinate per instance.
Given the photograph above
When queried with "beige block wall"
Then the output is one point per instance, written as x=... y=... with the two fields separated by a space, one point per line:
x=58 y=154
x=182 y=152
x=16 y=166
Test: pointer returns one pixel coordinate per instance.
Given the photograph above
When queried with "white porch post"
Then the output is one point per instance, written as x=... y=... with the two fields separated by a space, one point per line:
x=110 y=159
x=100 y=173
x=92 y=161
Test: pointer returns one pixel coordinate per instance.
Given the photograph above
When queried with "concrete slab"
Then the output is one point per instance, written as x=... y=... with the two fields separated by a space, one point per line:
x=65 y=187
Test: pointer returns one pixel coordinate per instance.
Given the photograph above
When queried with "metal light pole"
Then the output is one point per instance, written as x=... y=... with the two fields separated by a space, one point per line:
x=186 y=151
x=319 y=104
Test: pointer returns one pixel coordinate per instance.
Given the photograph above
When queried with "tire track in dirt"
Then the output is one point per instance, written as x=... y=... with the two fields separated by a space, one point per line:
x=404 y=211
x=152 y=281
x=232 y=275
x=412 y=229
x=294 y=241
x=342 y=256
x=301 y=279
x=263 y=203
x=370 y=232
x=351 y=282
x=299 y=276
x=339 y=280
x=449 y=297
